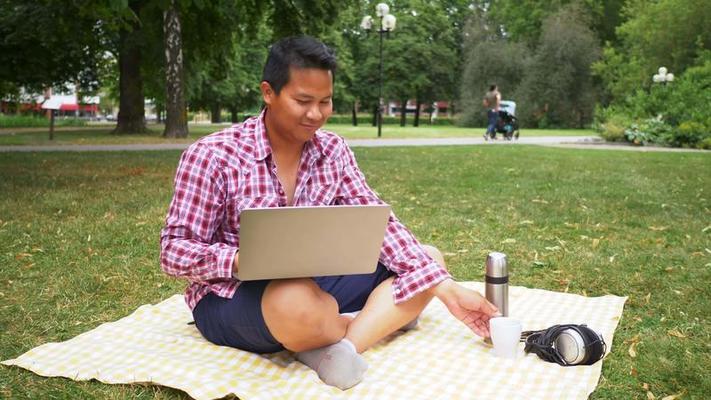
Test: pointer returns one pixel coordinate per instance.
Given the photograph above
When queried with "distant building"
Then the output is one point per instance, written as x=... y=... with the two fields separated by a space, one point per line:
x=437 y=108
x=66 y=104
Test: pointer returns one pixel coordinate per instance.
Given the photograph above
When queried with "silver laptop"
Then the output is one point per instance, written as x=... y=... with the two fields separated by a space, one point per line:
x=298 y=242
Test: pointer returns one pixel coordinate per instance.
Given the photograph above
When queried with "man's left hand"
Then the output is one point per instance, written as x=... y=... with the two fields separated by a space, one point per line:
x=466 y=305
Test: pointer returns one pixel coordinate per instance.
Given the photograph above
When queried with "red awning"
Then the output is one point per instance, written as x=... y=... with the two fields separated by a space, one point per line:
x=69 y=107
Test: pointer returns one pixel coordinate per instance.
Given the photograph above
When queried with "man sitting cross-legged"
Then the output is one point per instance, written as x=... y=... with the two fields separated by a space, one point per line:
x=283 y=158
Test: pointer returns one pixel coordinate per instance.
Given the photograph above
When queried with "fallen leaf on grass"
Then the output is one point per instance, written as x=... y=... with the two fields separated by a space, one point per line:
x=650 y=396
x=632 y=351
x=526 y=222
x=595 y=243
x=673 y=396
x=539 y=201
x=21 y=256
x=539 y=264
x=647 y=297
x=645 y=386
x=634 y=341
x=659 y=228
x=508 y=241
x=676 y=333
x=707 y=229
x=448 y=254
x=553 y=248
x=612 y=258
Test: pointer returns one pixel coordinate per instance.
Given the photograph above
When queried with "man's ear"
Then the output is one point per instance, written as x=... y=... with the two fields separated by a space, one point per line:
x=268 y=93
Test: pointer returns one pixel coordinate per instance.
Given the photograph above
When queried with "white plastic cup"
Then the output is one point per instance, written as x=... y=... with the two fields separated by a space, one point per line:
x=505 y=335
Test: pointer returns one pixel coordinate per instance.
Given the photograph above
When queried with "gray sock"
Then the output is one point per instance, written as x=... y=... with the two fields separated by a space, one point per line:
x=337 y=365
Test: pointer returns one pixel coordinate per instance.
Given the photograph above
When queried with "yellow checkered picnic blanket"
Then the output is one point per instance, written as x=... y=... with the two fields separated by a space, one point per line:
x=440 y=359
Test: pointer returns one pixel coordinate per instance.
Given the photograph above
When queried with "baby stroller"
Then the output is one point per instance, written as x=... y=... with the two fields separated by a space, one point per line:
x=507 y=123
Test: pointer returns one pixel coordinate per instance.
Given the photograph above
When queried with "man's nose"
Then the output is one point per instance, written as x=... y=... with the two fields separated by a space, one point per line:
x=314 y=113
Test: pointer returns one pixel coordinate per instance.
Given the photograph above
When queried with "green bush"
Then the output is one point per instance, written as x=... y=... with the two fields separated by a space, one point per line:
x=650 y=131
x=704 y=144
x=611 y=124
x=688 y=134
x=675 y=114
x=31 y=121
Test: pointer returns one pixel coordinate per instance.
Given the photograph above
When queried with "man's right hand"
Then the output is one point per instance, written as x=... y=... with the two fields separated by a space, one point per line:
x=235 y=264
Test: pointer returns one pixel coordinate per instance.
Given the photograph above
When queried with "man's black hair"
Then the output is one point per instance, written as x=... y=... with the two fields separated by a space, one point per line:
x=296 y=52
x=492 y=87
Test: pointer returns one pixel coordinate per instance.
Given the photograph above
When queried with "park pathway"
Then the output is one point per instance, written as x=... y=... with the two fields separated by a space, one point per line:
x=578 y=142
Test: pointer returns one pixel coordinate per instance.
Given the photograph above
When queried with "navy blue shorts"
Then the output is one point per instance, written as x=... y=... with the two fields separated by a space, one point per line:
x=239 y=322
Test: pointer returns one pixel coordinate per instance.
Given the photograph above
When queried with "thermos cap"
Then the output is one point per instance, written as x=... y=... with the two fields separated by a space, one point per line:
x=496 y=265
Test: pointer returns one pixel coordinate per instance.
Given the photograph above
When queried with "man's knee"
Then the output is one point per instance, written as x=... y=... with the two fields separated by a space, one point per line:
x=297 y=299
x=296 y=309
x=435 y=254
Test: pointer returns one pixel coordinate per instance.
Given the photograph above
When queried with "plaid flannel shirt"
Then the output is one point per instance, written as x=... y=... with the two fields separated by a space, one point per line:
x=228 y=171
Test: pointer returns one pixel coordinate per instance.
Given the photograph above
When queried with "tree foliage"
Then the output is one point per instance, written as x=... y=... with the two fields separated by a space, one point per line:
x=670 y=33
x=48 y=43
x=557 y=89
x=551 y=81
x=490 y=58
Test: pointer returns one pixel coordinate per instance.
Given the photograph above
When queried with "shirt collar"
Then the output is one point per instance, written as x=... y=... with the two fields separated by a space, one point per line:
x=262 y=148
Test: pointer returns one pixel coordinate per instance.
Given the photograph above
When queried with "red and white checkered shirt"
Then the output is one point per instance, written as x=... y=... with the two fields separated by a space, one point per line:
x=228 y=171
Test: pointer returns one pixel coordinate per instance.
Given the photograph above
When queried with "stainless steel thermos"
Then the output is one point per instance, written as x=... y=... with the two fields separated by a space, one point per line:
x=497 y=282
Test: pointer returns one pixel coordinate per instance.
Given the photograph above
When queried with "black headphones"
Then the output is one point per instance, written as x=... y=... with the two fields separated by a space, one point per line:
x=566 y=345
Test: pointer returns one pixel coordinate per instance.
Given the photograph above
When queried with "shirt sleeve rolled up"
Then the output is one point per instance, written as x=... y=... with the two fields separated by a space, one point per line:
x=196 y=211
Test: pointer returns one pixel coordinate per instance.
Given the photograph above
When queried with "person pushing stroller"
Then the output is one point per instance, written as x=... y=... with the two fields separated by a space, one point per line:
x=501 y=115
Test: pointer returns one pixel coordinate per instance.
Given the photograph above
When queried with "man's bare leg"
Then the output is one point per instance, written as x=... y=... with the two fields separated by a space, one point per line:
x=301 y=316
x=381 y=316
x=305 y=319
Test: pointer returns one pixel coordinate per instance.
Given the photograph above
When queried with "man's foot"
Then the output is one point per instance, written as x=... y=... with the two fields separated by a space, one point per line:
x=337 y=365
x=486 y=137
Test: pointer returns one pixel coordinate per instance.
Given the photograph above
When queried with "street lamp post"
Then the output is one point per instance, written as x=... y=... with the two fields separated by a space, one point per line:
x=387 y=24
x=662 y=76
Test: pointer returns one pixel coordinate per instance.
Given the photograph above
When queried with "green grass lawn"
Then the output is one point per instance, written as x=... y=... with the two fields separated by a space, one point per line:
x=79 y=236
x=101 y=134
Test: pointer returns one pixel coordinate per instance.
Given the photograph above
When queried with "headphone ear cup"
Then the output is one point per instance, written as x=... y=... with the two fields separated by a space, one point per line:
x=570 y=345
x=595 y=345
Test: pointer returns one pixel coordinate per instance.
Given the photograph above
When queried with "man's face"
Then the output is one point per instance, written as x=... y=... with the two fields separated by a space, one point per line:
x=302 y=106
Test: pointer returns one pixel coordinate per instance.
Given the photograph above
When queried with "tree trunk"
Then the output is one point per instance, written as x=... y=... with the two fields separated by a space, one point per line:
x=403 y=112
x=233 y=115
x=417 y=113
x=176 y=119
x=131 y=115
x=215 y=111
x=355 y=114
